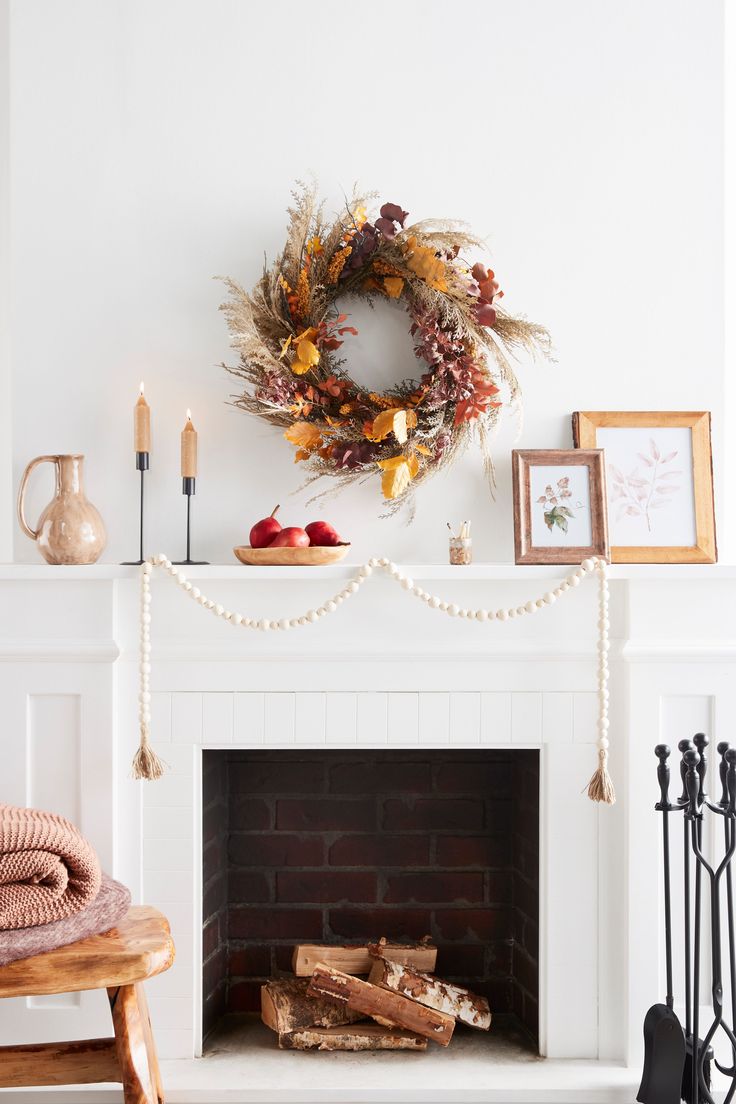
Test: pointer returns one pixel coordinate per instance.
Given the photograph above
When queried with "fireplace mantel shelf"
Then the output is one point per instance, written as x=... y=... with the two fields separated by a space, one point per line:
x=478 y=572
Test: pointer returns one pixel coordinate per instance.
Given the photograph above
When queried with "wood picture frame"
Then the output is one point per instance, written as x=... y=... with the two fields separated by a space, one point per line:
x=685 y=507
x=559 y=518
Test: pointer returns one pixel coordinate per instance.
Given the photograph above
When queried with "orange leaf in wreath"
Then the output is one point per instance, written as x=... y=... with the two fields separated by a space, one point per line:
x=307 y=355
x=305 y=435
x=393 y=286
x=390 y=421
x=397 y=475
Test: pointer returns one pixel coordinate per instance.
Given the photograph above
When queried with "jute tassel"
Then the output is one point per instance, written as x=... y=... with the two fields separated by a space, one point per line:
x=146 y=763
x=600 y=787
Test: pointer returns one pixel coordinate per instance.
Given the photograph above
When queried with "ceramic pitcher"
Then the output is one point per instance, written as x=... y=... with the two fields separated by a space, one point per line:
x=70 y=530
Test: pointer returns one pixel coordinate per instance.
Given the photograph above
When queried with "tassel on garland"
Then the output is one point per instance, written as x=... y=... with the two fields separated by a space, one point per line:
x=600 y=787
x=146 y=763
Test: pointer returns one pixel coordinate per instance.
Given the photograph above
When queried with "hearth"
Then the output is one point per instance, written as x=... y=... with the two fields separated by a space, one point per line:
x=346 y=846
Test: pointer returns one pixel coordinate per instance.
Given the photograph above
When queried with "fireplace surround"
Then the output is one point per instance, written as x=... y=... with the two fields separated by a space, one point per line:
x=346 y=846
x=387 y=677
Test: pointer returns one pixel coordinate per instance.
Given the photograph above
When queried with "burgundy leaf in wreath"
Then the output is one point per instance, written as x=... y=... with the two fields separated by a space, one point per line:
x=391 y=216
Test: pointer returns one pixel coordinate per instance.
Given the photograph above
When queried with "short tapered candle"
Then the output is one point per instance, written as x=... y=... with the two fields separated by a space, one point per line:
x=189 y=449
x=142 y=424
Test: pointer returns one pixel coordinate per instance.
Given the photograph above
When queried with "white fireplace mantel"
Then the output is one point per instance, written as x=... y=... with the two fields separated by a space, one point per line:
x=383 y=671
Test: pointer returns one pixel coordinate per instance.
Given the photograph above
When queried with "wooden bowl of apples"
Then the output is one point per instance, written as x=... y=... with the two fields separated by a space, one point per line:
x=270 y=544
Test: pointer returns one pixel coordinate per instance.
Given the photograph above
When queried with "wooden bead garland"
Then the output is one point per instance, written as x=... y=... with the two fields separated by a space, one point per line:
x=147 y=764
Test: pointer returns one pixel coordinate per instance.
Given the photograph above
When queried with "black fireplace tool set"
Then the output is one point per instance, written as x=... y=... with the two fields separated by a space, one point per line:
x=677 y=1061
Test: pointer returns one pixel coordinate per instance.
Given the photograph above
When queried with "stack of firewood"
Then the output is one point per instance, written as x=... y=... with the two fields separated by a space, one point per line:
x=383 y=996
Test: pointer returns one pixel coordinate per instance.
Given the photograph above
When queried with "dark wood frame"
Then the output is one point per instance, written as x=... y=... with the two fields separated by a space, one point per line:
x=585 y=424
x=521 y=462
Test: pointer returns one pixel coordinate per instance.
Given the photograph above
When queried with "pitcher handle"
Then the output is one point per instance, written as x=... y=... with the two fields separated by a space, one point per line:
x=32 y=533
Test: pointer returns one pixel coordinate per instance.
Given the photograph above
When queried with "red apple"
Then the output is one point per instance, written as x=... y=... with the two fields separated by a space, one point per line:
x=321 y=533
x=291 y=537
x=264 y=531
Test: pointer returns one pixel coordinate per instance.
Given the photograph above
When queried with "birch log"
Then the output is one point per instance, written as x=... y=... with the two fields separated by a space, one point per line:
x=382 y=1005
x=359 y=959
x=454 y=1000
x=285 y=1007
x=365 y=1036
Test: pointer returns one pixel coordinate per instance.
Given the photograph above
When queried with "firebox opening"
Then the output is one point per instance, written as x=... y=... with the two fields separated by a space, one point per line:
x=336 y=847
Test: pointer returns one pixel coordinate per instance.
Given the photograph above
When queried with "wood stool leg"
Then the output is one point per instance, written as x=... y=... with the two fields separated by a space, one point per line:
x=150 y=1042
x=130 y=1043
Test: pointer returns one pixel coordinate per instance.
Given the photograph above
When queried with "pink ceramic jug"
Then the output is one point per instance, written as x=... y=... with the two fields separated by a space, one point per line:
x=70 y=530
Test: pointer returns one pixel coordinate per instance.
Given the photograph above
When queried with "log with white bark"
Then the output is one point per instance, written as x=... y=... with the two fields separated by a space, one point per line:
x=359 y=959
x=382 y=1005
x=365 y=1036
x=285 y=1007
x=454 y=1000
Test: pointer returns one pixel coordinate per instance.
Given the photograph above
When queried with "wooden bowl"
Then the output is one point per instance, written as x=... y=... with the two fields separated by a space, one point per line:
x=314 y=556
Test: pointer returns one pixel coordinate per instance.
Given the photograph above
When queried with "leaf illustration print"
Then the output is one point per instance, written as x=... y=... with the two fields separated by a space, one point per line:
x=640 y=492
x=556 y=514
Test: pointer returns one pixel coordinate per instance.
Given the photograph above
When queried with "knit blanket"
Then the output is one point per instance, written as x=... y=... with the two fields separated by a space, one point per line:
x=108 y=908
x=48 y=871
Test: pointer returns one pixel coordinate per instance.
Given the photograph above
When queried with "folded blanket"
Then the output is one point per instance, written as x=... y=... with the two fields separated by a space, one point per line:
x=48 y=871
x=108 y=909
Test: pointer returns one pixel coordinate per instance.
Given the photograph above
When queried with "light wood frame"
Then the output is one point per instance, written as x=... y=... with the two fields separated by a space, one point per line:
x=585 y=424
x=522 y=460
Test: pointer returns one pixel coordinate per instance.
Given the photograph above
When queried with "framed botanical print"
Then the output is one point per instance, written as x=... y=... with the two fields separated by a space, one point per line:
x=559 y=505
x=659 y=474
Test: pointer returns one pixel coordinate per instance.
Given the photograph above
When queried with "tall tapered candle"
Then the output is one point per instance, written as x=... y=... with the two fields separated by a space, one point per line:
x=142 y=424
x=189 y=449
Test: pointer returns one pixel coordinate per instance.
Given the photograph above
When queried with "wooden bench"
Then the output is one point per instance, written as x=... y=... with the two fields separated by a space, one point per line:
x=119 y=961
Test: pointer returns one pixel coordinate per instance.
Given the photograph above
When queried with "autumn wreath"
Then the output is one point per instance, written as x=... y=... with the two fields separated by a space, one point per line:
x=289 y=330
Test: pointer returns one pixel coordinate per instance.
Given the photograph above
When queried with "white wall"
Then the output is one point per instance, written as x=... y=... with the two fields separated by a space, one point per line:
x=153 y=147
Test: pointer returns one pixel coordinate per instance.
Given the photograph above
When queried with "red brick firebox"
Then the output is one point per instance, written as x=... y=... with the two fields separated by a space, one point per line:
x=341 y=846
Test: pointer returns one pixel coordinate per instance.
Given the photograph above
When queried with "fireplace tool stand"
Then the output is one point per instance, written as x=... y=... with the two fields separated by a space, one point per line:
x=658 y=1084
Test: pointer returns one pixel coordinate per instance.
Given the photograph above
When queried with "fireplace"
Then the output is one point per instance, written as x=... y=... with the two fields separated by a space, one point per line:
x=346 y=846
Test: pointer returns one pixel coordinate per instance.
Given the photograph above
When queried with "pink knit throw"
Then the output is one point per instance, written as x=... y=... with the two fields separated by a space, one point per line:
x=47 y=869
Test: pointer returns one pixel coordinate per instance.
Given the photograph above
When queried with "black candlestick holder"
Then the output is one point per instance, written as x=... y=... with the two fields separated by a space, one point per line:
x=142 y=465
x=189 y=488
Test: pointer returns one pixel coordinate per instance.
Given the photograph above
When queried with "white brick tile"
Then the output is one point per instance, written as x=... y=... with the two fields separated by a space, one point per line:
x=161 y=718
x=186 y=718
x=309 y=719
x=278 y=713
x=557 y=722
x=526 y=718
x=341 y=719
x=371 y=720
x=249 y=719
x=171 y=1013
x=495 y=718
x=178 y=758
x=465 y=718
x=585 y=718
x=168 y=854
x=434 y=719
x=171 y=790
x=161 y=886
x=403 y=719
x=161 y=822
x=217 y=719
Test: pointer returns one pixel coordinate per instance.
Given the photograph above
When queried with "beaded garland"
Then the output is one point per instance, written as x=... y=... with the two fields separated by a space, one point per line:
x=146 y=763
